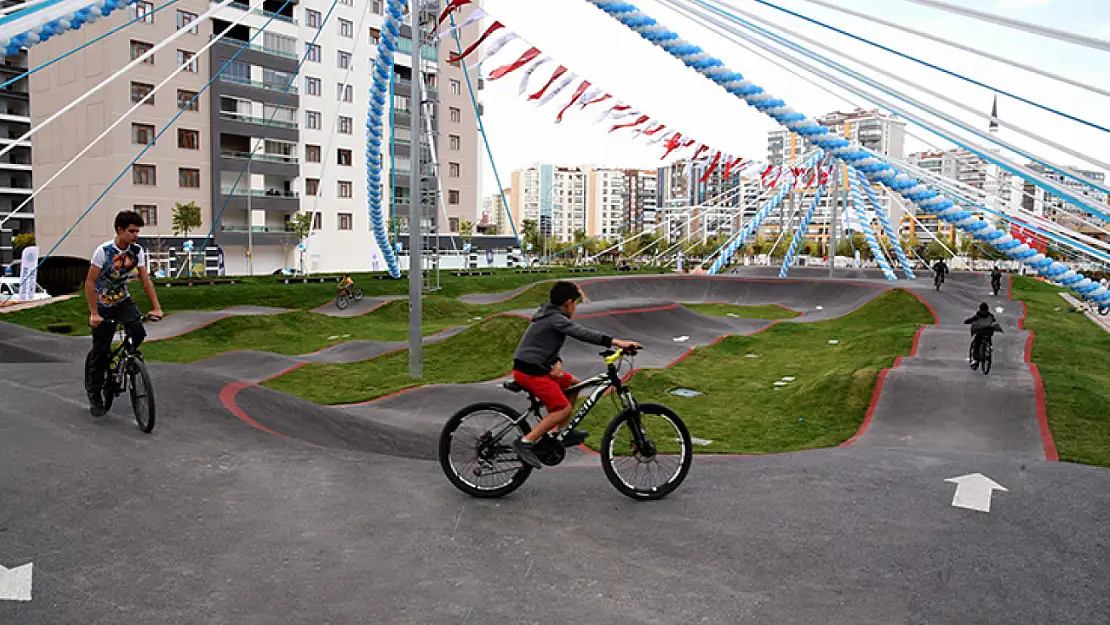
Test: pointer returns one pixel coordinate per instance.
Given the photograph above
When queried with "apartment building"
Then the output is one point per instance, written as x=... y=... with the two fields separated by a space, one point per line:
x=642 y=199
x=688 y=207
x=1056 y=208
x=248 y=174
x=15 y=166
x=552 y=196
x=606 y=201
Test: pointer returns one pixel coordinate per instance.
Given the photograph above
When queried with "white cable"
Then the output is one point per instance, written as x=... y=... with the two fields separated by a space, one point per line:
x=879 y=101
x=134 y=107
x=1053 y=33
x=771 y=25
x=134 y=63
x=960 y=46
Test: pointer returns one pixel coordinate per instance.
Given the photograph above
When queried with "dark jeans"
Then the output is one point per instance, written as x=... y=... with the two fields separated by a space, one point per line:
x=96 y=363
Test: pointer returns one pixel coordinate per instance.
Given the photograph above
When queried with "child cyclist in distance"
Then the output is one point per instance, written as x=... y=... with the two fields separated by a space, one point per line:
x=538 y=369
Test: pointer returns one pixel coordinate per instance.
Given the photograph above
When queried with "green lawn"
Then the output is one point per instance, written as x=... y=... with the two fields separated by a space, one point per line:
x=270 y=291
x=483 y=352
x=304 y=332
x=766 y=311
x=1071 y=353
x=740 y=411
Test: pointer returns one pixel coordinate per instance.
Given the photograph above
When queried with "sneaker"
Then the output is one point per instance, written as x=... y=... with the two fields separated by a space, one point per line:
x=96 y=404
x=974 y=366
x=527 y=452
x=575 y=438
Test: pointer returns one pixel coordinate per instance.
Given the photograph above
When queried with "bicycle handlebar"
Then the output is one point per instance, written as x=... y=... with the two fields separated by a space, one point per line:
x=147 y=318
x=612 y=356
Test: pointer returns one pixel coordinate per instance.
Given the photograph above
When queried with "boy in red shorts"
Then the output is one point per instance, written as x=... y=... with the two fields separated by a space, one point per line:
x=539 y=370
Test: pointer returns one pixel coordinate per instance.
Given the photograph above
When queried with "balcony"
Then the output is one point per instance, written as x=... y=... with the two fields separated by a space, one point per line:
x=258 y=121
x=238 y=43
x=259 y=156
x=267 y=193
x=258 y=84
x=255 y=235
x=264 y=13
x=404 y=46
x=403 y=86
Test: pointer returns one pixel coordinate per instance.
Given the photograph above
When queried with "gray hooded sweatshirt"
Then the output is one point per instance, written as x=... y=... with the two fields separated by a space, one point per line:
x=543 y=340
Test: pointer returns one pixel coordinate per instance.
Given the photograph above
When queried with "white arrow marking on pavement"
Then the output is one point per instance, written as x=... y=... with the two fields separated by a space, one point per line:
x=681 y=339
x=973 y=491
x=15 y=584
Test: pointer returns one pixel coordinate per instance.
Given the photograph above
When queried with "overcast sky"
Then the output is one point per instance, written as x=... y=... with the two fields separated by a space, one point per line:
x=599 y=49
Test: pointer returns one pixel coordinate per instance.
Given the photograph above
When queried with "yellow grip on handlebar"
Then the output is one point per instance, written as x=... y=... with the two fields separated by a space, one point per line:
x=615 y=357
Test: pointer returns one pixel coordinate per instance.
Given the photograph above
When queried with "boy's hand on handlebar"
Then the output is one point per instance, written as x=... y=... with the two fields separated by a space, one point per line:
x=157 y=313
x=95 y=320
x=623 y=344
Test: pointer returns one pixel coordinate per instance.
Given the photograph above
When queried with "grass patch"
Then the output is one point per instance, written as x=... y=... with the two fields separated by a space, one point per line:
x=740 y=410
x=303 y=332
x=1070 y=352
x=766 y=311
x=482 y=352
x=270 y=291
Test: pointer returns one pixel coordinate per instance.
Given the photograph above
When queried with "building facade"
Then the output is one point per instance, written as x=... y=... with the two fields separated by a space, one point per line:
x=260 y=145
x=642 y=199
x=17 y=213
x=1046 y=204
x=552 y=196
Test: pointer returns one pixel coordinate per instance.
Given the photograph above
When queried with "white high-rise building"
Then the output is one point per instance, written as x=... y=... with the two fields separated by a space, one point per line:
x=553 y=197
x=606 y=201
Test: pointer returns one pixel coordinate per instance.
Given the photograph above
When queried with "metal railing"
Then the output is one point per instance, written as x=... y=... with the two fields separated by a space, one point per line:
x=258 y=84
x=261 y=121
x=260 y=156
x=289 y=195
x=404 y=46
x=231 y=41
x=263 y=229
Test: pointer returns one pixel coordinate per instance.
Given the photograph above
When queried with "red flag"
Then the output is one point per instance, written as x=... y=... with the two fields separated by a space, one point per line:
x=656 y=130
x=672 y=144
x=640 y=120
x=539 y=94
x=712 y=166
x=698 y=153
x=767 y=172
x=454 y=5
x=733 y=164
x=524 y=59
x=577 y=94
x=596 y=100
x=455 y=58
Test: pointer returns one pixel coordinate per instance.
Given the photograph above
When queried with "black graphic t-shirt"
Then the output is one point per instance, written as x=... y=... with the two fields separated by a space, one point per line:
x=116 y=268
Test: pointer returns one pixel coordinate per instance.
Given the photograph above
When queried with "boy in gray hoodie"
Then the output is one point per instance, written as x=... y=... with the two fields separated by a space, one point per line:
x=538 y=369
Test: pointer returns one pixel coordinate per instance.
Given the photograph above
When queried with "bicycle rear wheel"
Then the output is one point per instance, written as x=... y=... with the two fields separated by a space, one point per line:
x=341 y=301
x=985 y=359
x=476 y=454
x=142 y=395
x=667 y=455
x=358 y=294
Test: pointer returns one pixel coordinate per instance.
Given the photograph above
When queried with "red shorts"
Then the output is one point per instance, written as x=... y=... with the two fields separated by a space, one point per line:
x=547 y=389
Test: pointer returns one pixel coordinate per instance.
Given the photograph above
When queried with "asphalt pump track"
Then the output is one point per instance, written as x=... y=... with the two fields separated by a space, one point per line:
x=250 y=506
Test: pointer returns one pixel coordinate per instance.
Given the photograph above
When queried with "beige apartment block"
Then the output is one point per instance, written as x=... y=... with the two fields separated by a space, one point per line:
x=459 y=145
x=176 y=168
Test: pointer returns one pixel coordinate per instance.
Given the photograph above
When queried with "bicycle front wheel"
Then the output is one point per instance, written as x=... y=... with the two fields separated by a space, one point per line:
x=341 y=301
x=986 y=359
x=475 y=450
x=358 y=294
x=142 y=395
x=659 y=467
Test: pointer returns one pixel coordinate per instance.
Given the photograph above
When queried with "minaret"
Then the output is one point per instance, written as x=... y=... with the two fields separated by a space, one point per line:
x=993 y=129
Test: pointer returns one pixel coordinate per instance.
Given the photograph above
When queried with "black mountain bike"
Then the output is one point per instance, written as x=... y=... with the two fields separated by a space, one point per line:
x=644 y=440
x=938 y=279
x=996 y=286
x=127 y=372
x=346 y=295
x=982 y=352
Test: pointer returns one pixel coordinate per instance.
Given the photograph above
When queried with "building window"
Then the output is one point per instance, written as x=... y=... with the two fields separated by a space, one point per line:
x=312 y=120
x=346 y=221
x=145 y=175
x=188 y=139
x=185 y=57
x=188 y=178
x=456 y=115
x=344 y=92
x=312 y=186
x=454 y=224
x=238 y=70
x=342 y=59
x=346 y=28
x=343 y=188
x=143 y=9
x=139 y=48
x=140 y=90
x=184 y=18
x=453 y=197
x=312 y=153
x=343 y=157
x=279 y=43
x=312 y=85
x=312 y=18
x=317 y=221
x=313 y=52
x=456 y=87
x=456 y=142
x=148 y=212
x=346 y=125
x=188 y=100
x=375 y=36
x=349 y=3
x=454 y=168
x=376 y=5
x=142 y=134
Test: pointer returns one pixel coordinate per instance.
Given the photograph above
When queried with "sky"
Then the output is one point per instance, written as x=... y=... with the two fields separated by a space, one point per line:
x=597 y=48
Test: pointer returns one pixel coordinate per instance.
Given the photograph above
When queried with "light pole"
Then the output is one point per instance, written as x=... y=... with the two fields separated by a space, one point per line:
x=250 y=213
x=416 y=278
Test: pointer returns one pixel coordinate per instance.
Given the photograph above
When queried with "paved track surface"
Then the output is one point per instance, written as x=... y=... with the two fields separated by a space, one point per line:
x=339 y=518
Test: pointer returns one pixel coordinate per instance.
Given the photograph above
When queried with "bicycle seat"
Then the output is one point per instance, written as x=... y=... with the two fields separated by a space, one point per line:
x=512 y=386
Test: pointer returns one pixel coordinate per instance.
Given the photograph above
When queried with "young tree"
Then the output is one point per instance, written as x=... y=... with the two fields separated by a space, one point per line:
x=935 y=251
x=186 y=218
x=530 y=233
x=301 y=225
x=22 y=241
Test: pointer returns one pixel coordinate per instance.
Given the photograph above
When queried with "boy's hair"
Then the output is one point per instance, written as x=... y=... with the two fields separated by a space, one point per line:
x=128 y=218
x=984 y=308
x=564 y=292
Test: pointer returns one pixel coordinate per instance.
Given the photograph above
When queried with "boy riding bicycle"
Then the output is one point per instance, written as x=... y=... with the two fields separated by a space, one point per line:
x=983 y=327
x=345 y=284
x=110 y=303
x=538 y=369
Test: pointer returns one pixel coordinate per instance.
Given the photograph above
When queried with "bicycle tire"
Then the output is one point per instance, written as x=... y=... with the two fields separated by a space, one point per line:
x=671 y=484
x=987 y=360
x=358 y=294
x=1104 y=310
x=444 y=451
x=137 y=375
x=341 y=301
